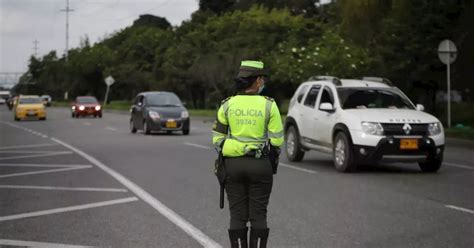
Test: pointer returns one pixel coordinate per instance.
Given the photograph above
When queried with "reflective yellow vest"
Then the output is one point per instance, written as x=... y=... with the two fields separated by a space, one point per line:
x=245 y=123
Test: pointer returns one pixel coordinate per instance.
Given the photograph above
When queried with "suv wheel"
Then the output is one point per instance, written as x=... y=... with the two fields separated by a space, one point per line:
x=146 y=129
x=432 y=165
x=293 y=146
x=343 y=154
x=132 y=127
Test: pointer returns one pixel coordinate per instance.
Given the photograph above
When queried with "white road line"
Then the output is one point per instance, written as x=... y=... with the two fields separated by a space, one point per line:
x=45 y=165
x=87 y=123
x=27 y=146
x=42 y=172
x=67 y=209
x=297 y=168
x=44 y=136
x=22 y=243
x=33 y=151
x=62 y=188
x=459 y=166
x=460 y=209
x=111 y=128
x=198 y=146
x=36 y=155
x=172 y=216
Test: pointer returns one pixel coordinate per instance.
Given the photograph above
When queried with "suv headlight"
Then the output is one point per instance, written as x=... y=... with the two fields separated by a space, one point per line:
x=434 y=128
x=184 y=114
x=372 y=128
x=154 y=115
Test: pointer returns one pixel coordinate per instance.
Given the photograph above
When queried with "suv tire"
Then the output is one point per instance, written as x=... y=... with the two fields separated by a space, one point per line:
x=343 y=154
x=133 y=129
x=432 y=165
x=293 y=149
x=146 y=129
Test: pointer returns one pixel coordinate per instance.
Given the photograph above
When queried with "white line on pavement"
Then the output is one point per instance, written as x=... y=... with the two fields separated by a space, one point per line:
x=172 y=216
x=297 y=168
x=62 y=188
x=111 y=128
x=21 y=243
x=27 y=146
x=87 y=123
x=459 y=166
x=198 y=146
x=68 y=209
x=42 y=172
x=460 y=209
x=36 y=155
x=33 y=151
x=45 y=165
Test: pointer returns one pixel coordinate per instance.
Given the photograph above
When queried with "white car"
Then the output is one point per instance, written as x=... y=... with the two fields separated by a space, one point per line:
x=361 y=122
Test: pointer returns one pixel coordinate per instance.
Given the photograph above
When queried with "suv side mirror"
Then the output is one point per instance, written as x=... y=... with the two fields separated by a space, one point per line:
x=420 y=107
x=327 y=107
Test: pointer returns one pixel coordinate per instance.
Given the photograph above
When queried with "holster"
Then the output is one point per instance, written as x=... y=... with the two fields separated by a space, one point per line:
x=220 y=172
x=274 y=157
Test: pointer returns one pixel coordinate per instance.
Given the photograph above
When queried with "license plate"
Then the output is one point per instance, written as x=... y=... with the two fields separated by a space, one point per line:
x=171 y=124
x=408 y=144
x=31 y=113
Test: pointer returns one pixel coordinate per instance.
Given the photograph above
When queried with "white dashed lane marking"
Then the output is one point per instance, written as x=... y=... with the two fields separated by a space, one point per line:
x=44 y=171
x=67 y=209
x=21 y=243
x=62 y=188
x=466 y=210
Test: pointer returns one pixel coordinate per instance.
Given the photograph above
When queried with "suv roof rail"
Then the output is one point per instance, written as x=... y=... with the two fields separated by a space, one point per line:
x=334 y=80
x=379 y=80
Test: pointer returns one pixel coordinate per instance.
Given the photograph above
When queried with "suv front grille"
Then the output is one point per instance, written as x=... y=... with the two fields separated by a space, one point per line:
x=397 y=129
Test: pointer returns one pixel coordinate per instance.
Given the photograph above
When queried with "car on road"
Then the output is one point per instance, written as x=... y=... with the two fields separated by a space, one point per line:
x=29 y=107
x=159 y=111
x=46 y=100
x=86 y=106
x=4 y=95
x=361 y=122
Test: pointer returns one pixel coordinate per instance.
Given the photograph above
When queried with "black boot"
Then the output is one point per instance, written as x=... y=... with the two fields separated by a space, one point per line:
x=258 y=238
x=238 y=238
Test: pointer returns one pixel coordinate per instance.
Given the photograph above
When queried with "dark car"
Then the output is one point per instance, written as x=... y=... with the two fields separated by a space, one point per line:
x=159 y=111
x=85 y=106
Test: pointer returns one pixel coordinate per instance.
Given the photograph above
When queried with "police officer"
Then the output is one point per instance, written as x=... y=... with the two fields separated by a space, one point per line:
x=246 y=125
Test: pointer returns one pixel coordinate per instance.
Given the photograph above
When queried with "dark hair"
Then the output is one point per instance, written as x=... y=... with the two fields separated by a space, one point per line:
x=243 y=83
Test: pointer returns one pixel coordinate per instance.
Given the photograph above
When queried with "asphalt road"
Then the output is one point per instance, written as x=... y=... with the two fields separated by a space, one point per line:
x=90 y=182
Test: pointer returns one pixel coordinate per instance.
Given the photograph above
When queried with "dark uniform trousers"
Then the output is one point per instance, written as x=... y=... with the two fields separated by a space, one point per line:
x=248 y=186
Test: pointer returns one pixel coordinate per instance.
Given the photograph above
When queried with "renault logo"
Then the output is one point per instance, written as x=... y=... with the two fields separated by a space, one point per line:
x=407 y=128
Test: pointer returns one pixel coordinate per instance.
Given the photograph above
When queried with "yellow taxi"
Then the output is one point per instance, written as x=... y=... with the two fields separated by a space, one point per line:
x=29 y=107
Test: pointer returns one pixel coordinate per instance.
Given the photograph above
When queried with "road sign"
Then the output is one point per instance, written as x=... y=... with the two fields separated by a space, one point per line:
x=447 y=53
x=109 y=80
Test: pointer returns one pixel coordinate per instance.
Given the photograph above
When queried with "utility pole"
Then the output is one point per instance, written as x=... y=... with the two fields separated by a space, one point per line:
x=67 y=10
x=36 y=42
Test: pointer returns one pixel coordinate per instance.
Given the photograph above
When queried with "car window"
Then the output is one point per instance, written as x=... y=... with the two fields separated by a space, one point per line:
x=139 y=100
x=163 y=100
x=301 y=93
x=310 y=100
x=327 y=96
x=86 y=100
x=29 y=100
x=361 y=98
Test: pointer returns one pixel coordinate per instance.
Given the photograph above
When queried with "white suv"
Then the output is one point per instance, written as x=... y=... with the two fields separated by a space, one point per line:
x=361 y=122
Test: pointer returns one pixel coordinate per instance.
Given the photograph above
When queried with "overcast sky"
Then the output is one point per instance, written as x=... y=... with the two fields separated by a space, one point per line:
x=23 y=21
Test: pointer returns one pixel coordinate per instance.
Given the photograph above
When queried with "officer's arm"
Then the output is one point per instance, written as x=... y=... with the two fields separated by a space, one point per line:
x=220 y=129
x=275 y=127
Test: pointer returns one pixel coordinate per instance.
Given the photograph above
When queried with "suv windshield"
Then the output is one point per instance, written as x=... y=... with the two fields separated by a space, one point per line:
x=29 y=100
x=163 y=100
x=85 y=100
x=361 y=98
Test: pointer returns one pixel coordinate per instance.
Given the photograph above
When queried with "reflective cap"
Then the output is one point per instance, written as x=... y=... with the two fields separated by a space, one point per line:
x=252 y=68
